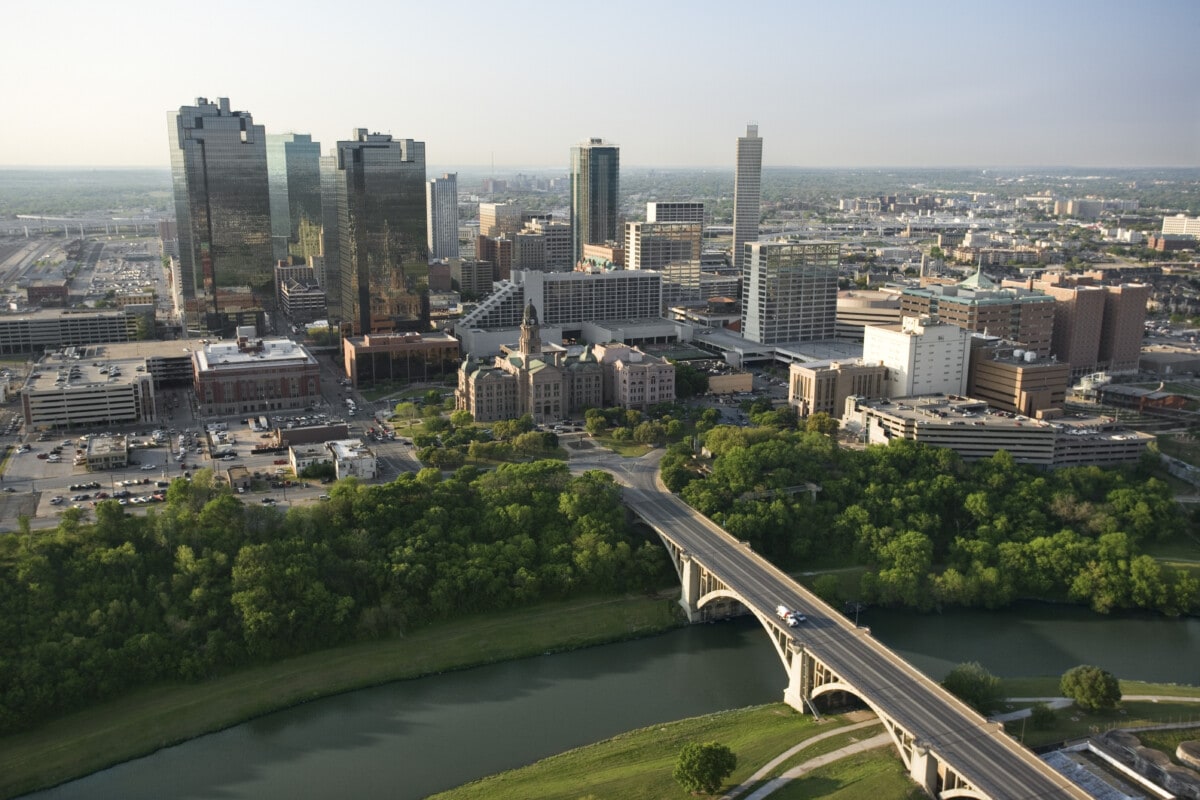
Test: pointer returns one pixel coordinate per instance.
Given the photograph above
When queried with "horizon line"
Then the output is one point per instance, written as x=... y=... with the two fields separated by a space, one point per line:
x=729 y=168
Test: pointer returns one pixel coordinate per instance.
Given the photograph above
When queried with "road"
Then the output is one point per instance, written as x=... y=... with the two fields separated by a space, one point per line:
x=982 y=753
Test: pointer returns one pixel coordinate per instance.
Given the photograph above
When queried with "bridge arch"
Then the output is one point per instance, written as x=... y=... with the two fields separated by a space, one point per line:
x=778 y=639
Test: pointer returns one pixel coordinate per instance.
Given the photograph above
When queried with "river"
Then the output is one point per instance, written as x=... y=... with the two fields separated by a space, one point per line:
x=408 y=739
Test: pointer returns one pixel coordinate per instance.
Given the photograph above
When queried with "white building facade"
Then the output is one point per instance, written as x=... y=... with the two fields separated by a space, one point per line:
x=441 y=204
x=922 y=358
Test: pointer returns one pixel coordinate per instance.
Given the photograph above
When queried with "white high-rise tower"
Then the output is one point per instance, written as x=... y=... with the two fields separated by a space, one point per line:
x=747 y=193
x=441 y=203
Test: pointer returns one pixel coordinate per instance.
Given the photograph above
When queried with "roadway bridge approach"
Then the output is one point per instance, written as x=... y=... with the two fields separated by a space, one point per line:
x=947 y=747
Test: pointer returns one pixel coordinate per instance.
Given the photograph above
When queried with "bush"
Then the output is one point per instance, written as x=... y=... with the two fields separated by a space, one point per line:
x=1042 y=717
x=975 y=686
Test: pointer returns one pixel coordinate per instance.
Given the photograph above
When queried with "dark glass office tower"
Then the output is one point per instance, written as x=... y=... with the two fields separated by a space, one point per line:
x=219 y=167
x=293 y=174
x=330 y=180
x=595 y=183
x=382 y=240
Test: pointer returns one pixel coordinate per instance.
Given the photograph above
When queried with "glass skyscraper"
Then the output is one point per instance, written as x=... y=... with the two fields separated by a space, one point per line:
x=595 y=185
x=382 y=242
x=789 y=291
x=222 y=207
x=293 y=174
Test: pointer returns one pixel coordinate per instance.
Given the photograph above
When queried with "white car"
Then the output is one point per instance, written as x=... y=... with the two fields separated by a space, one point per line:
x=148 y=467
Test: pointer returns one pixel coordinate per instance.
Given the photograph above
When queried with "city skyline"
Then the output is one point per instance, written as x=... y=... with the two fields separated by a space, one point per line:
x=830 y=85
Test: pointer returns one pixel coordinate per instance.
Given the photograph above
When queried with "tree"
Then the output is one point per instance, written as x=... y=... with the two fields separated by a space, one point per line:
x=1091 y=687
x=461 y=418
x=820 y=422
x=704 y=767
x=974 y=685
x=406 y=410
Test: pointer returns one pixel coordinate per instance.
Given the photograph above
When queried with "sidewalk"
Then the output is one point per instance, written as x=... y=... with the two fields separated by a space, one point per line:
x=785 y=755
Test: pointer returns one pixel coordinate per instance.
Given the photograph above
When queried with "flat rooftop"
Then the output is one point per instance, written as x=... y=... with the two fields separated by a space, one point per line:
x=344 y=449
x=954 y=410
x=57 y=372
x=231 y=354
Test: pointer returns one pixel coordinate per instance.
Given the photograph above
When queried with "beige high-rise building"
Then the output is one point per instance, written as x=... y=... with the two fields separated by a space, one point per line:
x=499 y=218
x=1096 y=328
x=1123 y=328
x=672 y=249
x=1078 y=313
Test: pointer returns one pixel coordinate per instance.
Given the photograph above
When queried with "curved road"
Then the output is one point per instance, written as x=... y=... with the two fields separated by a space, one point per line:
x=994 y=763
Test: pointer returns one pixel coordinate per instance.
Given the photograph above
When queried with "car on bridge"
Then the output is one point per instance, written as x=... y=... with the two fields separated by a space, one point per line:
x=792 y=618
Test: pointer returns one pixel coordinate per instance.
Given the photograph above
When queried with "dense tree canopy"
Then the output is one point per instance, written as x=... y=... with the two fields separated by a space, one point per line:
x=975 y=686
x=936 y=531
x=205 y=582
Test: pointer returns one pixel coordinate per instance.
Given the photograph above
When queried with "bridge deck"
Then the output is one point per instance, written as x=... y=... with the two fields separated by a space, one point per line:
x=981 y=753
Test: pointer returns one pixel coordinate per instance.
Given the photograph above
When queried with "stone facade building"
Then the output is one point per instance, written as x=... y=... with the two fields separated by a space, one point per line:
x=549 y=383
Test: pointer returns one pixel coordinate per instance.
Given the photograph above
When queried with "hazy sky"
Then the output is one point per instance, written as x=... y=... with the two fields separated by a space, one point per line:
x=830 y=82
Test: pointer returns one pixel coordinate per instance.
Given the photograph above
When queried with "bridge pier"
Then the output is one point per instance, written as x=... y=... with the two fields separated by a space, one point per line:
x=923 y=768
x=689 y=576
x=799 y=688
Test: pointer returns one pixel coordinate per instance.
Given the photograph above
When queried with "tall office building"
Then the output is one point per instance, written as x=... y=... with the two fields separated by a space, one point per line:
x=441 y=203
x=222 y=205
x=790 y=291
x=496 y=219
x=1124 y=326
x=330 y=276
x=294 y=179
x=595 y=184
x=382 y=246
x=669 y=248
x=747 y=193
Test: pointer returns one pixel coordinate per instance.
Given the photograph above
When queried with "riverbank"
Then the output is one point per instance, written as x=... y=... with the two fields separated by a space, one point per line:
x=146 y=720
x=638 y=765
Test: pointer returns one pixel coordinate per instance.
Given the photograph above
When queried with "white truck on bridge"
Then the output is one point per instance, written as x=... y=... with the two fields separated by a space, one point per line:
x=792 y=618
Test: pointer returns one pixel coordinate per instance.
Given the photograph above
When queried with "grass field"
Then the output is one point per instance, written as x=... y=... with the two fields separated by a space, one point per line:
x=144 y=721
x=877 y=775
x=638 y=764
x=1075 y=723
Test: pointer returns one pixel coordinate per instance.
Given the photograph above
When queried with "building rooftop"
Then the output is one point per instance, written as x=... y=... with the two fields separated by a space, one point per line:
x=78 y=369
x=344 y=449
x=251 y=353
x=106 y=445
x=952 y=410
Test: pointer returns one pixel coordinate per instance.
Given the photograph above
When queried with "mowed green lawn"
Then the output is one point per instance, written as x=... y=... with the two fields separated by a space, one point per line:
x=146 y=720
x=638 y=765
